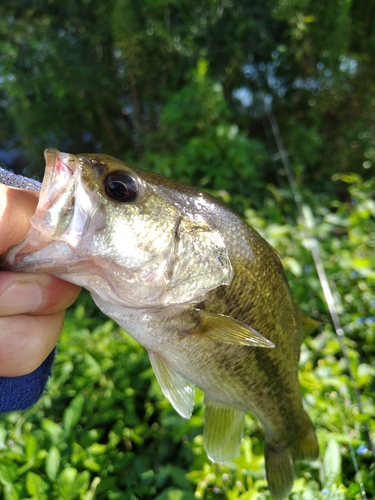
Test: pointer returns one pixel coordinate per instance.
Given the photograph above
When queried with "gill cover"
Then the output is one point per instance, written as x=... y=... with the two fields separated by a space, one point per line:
x=200 y=260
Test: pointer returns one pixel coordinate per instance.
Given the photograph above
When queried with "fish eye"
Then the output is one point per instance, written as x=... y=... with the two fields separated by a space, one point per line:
x=120 y=186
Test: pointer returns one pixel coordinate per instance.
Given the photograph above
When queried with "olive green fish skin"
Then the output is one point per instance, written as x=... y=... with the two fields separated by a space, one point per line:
x=259 y=295
x=263 y=381
x=182 y=274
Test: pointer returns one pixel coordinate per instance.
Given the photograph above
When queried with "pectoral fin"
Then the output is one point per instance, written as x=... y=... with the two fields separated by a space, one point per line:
x=230 y=331
x=178 y=389
x=223 y=430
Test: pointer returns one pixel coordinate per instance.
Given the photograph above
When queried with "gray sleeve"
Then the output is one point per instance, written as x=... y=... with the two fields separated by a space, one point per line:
x=19 y=181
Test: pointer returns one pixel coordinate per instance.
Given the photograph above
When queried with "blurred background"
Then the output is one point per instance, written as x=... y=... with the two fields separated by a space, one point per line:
x=223 y=95
x=183 y=87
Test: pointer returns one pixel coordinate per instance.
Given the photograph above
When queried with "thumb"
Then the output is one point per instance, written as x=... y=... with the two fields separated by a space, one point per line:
x=16 y=208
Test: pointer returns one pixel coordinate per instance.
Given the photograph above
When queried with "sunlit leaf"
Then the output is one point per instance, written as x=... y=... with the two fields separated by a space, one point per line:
x=53 y=463
x=331 y=467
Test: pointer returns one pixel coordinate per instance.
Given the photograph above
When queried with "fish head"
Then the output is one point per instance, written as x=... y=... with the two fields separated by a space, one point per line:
x=121 y=233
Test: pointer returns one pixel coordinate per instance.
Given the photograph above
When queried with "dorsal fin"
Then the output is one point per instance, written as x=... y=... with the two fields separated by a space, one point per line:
x=307 y=325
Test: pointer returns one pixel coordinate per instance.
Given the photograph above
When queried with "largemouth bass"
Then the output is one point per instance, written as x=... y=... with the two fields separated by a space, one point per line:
x=187 y=278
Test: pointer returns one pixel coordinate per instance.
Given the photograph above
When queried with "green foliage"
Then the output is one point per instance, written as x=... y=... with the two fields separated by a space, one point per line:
x=118 y=77
x=197 y=136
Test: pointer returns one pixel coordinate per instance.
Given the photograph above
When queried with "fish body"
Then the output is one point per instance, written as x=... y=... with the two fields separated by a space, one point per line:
x=187 y=278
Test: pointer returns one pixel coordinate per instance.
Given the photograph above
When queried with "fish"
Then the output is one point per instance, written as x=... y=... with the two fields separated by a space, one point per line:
x=194 y=284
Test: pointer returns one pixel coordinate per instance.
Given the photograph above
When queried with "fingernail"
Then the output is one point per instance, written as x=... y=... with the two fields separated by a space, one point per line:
x=20 y=298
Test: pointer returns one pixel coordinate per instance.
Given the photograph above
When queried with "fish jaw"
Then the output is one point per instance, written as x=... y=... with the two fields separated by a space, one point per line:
x=58 y=220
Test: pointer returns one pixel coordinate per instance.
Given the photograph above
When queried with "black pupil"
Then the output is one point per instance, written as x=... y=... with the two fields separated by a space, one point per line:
x=120 y=187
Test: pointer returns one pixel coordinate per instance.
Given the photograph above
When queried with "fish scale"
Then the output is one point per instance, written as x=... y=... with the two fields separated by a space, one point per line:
x=187 y=278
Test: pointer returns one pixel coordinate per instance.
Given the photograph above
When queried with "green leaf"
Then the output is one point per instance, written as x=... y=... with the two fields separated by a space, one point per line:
x=174 y=494
x=8 y=472
x=31 y=447
x=53 y=463
x=90 y=494
x=10 y=492
x=331 y=467
x=179 y=477
x=308 y=217
x=3 y=436
x=73 y=413
x=293 y=266
x=66 y=483
x=82 y=482
x=97 y=449
x=54 y=430
x=70 y=484
x=35 y=485
x=93 y=368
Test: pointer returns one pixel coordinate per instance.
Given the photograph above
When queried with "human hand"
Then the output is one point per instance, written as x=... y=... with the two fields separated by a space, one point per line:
x=32 y=306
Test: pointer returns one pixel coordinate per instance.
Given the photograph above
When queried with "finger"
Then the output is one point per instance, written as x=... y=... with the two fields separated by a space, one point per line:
x=16 y=208
x=26 y=341
x=34 y=294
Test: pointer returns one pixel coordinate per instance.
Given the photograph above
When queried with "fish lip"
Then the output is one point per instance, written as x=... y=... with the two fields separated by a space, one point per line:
x=57 y=217
x=54 y=200
x=69 y=205
x=60 y=167
x=57 y=194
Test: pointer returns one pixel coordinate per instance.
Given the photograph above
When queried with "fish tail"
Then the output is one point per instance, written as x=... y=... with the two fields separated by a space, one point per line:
x=280 y=458
x=279 y=469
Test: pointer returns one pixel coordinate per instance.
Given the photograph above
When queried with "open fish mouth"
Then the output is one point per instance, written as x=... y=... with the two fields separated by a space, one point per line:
x=57 y=196
x=64 y=209
x=65 y=206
